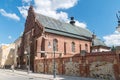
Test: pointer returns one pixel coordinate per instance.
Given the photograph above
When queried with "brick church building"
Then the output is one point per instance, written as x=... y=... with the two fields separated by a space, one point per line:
x=44 y=36
x=42 y=32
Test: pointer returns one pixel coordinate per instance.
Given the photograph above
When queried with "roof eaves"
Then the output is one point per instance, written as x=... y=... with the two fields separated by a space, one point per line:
x=68 y=33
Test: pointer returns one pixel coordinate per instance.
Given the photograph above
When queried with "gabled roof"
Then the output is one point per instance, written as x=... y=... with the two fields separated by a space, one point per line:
x=98 y=42
x=61 y=28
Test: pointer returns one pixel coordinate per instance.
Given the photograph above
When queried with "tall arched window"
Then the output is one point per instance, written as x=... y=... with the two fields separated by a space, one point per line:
x=80 y=48
x=73 y=47
x=55 y=45
x=65 y=48
x=86 y=47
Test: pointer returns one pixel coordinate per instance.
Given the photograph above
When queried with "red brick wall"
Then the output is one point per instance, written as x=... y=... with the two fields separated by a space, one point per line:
x=77 y=65
x=61 y=39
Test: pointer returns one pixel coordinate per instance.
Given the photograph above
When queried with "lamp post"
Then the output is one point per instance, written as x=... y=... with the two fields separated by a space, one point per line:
x=54 y=66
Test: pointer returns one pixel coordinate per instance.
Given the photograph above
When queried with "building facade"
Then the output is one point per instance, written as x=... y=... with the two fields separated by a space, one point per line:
x=44 y=36
x=7 y=55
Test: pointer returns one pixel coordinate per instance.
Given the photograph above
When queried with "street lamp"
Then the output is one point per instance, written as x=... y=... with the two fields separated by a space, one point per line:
x=54 y=67
x=28 y=60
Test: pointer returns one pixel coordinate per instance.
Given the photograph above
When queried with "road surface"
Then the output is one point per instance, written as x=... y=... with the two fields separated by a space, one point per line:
x=13 y=76
x=22 y=75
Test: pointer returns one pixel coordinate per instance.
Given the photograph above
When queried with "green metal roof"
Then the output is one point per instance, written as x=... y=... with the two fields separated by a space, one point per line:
x=61 y=28
x=65 y=34
x=98 y=42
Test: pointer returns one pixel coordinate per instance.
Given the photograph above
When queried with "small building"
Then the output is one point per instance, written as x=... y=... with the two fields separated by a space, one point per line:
x=98 y=45
x=7 y=55
x=2 y=48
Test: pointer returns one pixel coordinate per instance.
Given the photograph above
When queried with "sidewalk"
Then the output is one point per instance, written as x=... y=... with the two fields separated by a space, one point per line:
x=47 y=76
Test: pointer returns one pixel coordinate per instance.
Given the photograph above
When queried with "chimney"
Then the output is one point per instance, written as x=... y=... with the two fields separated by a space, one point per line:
x=72 y=22
x=93 y=36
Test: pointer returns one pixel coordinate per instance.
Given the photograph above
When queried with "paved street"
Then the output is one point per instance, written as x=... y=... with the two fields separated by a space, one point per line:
x=7 y=75
x=22 y=75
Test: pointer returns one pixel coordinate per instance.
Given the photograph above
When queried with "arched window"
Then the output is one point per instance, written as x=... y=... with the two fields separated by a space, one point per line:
x=86 y=47
x=43 y=47
x=55 y=45
x=65 y=48
x=73 y=47
x=80 y=48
